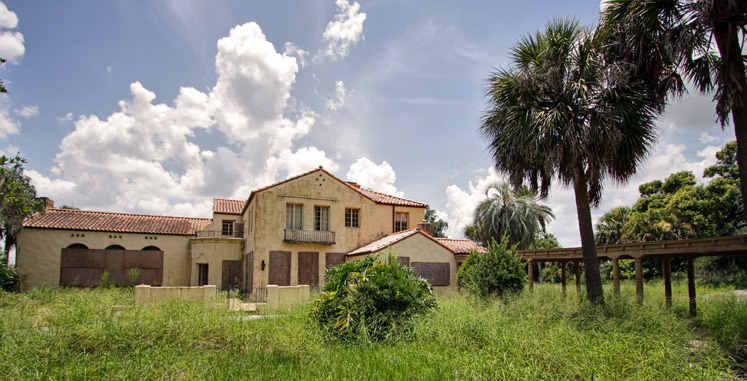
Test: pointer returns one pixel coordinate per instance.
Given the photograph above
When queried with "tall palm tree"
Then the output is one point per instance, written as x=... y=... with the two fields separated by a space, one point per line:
x=517 y=215
x=559 y=112
x=664 y=41
x=611 y=226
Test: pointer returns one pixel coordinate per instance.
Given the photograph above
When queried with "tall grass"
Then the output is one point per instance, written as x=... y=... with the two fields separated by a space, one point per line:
x=75 y=334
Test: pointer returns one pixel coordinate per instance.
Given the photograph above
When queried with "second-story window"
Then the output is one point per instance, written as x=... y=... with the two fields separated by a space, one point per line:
x=227 y=229
x=321 y=218
x=351 y=218
x=293 y=216
x=400 y=221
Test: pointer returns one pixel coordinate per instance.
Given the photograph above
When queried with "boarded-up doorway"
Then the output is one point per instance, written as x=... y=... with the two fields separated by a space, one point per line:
x=85 y=267
x=231 y=275
x=249 y=272
x=308 y=268
x=438 y=274
x=334 y=259
x=280 y=268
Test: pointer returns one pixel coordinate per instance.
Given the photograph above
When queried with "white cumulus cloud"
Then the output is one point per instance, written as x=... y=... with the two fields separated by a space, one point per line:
x=344 y=31
x=338 y=99
x=377 y=177
x=11 y=43
x=27 y=111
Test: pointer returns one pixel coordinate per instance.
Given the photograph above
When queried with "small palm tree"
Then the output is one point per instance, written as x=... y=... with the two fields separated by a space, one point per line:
x=559 y=112
x=517 y=215
x=666 y=41
x=611 y=226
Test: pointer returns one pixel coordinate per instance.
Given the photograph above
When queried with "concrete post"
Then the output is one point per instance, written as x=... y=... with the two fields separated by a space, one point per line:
x=531 y=275
x=666 y=267
x=562 y=276
x=616 y=276
x=639 y=279
x=691 y=286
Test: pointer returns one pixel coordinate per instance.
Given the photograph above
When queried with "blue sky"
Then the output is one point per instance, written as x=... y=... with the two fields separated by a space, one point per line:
x=157 y=107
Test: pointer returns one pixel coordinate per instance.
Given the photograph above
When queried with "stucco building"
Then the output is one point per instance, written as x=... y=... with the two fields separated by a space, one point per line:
x=287 y=233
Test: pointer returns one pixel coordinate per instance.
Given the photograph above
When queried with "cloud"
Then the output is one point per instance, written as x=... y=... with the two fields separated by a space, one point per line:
x=377 y=177
x=67 y=118
x=338 y=99
x=145 y=157
x=8 y=126
x=11 y=43
x=461 y=203
x=27 y=111
x=292 y=50
x=344 y=31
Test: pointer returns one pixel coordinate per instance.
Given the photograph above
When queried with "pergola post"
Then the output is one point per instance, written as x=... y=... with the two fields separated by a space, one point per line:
x=562 y=276
x=691 y=285
x=616 y=276
x=531 y=275
x=577 y=266
x=666 y=267
x=639 y=279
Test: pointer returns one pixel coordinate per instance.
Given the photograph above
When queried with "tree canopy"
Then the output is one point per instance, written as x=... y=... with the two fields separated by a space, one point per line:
x=439 y=226
x=17 y=199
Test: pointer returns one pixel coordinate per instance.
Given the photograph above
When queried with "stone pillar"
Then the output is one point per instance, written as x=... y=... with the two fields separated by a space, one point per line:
x=577 y=267
x=616 y=276
x=562 y=276
x=530 y=269
x=666 y=267
x=639 y=279
x=691 y=285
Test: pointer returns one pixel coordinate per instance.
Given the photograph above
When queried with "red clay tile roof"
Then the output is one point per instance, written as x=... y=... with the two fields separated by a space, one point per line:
x=393 y=238
x=462 y=246
x=69 y=219
x=379 y=198
x=226 y=206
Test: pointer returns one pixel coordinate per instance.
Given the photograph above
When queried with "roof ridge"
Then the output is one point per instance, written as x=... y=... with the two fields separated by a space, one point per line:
x=124 y=214
x=227 y=199
x=389 y=195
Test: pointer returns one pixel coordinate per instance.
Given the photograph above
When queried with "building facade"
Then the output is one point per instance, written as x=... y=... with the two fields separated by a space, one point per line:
x=284 y=234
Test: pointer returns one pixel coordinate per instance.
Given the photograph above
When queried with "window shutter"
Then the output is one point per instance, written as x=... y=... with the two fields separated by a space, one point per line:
x=238 y=230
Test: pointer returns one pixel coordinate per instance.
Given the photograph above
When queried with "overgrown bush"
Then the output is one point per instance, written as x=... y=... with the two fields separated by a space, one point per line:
x=493 y=274
x=8 y=276
x=372 y=299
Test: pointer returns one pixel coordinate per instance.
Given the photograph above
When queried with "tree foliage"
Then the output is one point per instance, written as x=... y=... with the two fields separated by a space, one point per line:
x=372 y=299
x=493 y=274
x=518 y=215
x=439 y=226
x=17 y=199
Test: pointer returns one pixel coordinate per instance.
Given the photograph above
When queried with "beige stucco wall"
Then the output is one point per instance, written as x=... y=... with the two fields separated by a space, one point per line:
x=39 y=251
x=217 y=223
x=268 y=210
x=422 y=249
x=213 y=251
x=150 y=295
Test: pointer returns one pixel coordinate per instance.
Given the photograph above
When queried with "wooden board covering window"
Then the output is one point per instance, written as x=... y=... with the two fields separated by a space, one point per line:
x=249 y=275
x=84 y=267
x=437 y=273
x=308 y=268
x=231 y=275
x=334 y=259
x=280 y=268
x=404 y=261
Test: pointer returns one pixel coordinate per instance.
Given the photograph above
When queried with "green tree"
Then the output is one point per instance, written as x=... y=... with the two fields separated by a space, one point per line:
x=439 y=226
x=546 y=240
x=559 y=112
x=17 y=200
x=664 y=41
x=518 y=215
x=611 y=226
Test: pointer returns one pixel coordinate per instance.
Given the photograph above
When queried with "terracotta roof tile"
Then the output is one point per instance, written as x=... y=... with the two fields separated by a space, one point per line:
x=462 y=246
x=115 y=222
x=226 y=206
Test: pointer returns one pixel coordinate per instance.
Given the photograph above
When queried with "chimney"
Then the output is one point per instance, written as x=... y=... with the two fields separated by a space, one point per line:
x=354 y=184
x=425 y=227
x=48 y=204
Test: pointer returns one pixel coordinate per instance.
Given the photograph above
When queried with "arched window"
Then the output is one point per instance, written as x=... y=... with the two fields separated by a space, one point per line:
x=151 y=248
x=114 y=247
x=77 y=246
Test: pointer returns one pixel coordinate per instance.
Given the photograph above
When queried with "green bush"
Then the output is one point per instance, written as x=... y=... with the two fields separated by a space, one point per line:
x=372 y=299
x=493 y=274
x=8 y=276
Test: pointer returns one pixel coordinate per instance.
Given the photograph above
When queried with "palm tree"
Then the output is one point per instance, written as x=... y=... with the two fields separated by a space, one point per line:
x=517 y=215
x=611 y=226
x=560 y=113
x=664 y=41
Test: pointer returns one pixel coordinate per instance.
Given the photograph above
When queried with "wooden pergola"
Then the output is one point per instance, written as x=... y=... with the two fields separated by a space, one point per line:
x=665 y=250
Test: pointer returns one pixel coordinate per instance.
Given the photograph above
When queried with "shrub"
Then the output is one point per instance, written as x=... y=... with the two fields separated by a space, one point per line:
x=492 y=274
x=372 y=299
x=8 y=276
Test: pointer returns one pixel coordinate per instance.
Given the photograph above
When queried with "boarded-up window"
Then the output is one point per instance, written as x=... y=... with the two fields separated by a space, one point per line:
x=249 y=276
x=84 y=267
x=231 y=275
x=404 y=261
x=308 y=268
x=437 y=273
x=280 y=268
x=334 y=259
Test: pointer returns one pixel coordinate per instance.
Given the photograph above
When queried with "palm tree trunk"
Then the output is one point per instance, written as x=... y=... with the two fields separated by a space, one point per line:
x=588 y=246
x=727 y=39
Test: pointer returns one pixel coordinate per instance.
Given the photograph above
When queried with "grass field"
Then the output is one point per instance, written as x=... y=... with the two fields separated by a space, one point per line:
x=75 y=334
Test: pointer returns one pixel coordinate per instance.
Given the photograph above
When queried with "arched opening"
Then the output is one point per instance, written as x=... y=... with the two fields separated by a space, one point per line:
x=151 y=248
x=77 y=246
x=114 y=247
